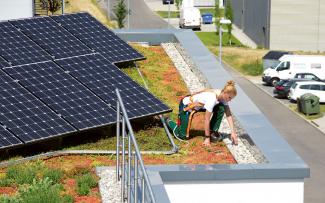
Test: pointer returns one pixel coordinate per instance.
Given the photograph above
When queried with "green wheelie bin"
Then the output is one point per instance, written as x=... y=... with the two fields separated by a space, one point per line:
x=309 y=104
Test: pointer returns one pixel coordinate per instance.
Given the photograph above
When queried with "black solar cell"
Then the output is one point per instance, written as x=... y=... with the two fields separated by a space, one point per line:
x=99 y=75
x=3 y=63
x=98 y=37
x=7 y=139
x=18 y=49
x=64 y=94
x=26 y=116
x=52 y=37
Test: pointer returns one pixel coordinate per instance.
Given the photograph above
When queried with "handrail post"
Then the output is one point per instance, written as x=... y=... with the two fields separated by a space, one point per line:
x=118 y=142
x=129 y=169
x=142 y=186
x=135 y=178
x=123 y=159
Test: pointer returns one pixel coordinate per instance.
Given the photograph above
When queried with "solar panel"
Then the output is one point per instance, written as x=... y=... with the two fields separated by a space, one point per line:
x=99 y=75
x=8 y=139
x=18 y=49
x=98 y=37
x=25 y=116
x=3 y=63
x=51 y=37
x=64 y=94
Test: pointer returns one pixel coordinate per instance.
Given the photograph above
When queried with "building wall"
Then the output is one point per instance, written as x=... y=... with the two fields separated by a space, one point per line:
x=14 y=9
x=297 y=25
x=252 y=191
x=252 y=17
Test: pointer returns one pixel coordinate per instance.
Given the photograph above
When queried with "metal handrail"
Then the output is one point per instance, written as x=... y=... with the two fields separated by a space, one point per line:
x=129 y=174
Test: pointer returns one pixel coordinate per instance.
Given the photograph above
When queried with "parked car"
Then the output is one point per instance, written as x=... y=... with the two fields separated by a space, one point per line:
x=282 y=88
x=168 y=1
x=313 y=87
x=190 y=17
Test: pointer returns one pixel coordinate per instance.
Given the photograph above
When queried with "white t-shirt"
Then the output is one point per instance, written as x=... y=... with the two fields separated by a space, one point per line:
x=209 y=99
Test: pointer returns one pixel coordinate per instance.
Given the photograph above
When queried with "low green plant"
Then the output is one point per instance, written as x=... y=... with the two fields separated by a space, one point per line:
x=67 y=199
x=20 y=174
x=5 y=182
x=85 y=183
x=54 y=175
x=42 y=190
x=9 y=199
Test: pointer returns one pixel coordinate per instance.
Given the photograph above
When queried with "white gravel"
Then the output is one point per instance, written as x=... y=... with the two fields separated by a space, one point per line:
x=108 y=186
x=244 y=153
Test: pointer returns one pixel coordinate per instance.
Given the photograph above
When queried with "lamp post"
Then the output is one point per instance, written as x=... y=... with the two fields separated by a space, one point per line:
x=129 y=14
x=168 y=13
x=223 y=21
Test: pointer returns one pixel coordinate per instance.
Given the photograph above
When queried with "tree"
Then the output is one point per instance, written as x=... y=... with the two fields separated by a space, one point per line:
x=51 y=5
x=217 y=15
x=230 y=16
x=120 y=11
x=178 y=3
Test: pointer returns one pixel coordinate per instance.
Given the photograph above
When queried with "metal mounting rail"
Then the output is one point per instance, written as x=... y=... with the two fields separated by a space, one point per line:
x=130 y=171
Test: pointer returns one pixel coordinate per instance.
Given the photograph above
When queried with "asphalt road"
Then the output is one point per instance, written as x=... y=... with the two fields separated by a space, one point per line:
x=306 y=139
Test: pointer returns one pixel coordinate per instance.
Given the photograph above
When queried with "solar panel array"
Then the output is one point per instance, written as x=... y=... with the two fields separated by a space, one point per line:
x=98 y=37
x=57 y=77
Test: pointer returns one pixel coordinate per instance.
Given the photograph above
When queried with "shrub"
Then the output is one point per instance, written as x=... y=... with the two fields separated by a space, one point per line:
x=84 y=183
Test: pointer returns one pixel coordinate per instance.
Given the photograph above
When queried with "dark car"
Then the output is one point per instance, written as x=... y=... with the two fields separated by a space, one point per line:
x=282 y=88
x=168 y=1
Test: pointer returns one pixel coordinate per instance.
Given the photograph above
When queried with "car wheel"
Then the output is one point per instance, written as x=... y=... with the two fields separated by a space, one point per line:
x=274 y=81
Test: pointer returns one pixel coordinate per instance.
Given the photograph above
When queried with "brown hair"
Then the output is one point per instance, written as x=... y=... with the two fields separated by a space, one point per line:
x=230 y=88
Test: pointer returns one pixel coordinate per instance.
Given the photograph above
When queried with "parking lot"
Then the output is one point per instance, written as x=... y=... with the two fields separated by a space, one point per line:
x=268 y=89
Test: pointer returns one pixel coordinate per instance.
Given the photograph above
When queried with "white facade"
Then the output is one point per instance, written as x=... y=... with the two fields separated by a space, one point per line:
x=297 y=25
x=253 y=191
x=15 y=9
x=208 y=3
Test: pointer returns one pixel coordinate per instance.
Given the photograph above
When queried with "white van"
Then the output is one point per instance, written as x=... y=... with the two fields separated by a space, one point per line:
x=289 y=65
x=190 y=17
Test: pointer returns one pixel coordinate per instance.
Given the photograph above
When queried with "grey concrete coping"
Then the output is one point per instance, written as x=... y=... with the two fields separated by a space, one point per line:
x=283 y=161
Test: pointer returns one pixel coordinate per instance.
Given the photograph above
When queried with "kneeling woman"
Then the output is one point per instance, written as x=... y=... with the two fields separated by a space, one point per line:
x=215 y=103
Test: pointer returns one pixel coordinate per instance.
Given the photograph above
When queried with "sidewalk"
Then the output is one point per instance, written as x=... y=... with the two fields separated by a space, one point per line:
x=321 y=123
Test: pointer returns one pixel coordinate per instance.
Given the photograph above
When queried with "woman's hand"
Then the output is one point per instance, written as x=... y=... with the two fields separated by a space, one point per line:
x=234 y=138
x=206 y=142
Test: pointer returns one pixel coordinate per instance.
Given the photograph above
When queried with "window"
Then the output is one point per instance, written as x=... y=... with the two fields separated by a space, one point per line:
x=316 y=65
x=300 y=65
x=284 y=66
x=305 y=87
x=322 y=87
x=315 y=87
x=310 y=77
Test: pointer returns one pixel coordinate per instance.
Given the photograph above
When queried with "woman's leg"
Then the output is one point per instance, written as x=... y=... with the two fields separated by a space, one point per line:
x=183 y=116
x=216 y=119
